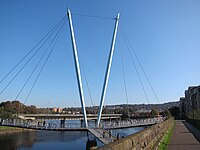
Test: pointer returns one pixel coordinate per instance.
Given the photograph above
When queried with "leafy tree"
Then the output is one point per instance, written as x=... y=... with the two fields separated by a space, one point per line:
x=174 y=111
x=8 y=108
x=167 y=113
x=32 y=109
x=4 y=114
x=154 y=113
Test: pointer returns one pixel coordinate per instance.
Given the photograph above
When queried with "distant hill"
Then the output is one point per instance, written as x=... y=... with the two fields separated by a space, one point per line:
x=163 y=106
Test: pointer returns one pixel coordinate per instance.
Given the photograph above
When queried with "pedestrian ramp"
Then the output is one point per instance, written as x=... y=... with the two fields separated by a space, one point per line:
x=104 y=136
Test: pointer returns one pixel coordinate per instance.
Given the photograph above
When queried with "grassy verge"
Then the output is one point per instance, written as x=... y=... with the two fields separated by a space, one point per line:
x=166 y=139
x=9 y=130
x=4 y=128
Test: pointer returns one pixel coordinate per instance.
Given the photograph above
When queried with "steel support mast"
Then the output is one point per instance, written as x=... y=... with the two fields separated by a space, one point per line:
x=105 y=84
x=77 y=67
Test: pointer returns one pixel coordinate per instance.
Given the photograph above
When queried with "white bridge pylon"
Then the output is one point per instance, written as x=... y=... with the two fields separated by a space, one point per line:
x=78 y=72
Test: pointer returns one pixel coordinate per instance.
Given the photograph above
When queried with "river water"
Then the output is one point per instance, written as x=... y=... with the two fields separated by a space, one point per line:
x=51 y=140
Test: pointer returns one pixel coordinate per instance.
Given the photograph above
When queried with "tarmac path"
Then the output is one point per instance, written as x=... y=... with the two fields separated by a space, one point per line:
x=183 y=139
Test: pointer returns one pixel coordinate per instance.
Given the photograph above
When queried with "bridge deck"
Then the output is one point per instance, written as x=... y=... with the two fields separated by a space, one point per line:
x=102 y=135
x=104 y=125
x=46 y=128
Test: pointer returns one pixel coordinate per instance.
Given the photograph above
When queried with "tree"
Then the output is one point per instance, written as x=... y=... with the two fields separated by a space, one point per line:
x=4 y=114
x=174 y=111
x=167 y=113
x=9 y=108
x=154 y=113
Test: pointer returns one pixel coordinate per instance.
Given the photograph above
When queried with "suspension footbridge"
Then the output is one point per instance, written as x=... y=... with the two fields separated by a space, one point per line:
x=100 y=127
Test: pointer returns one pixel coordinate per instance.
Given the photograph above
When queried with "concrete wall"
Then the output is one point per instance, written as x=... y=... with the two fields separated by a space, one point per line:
x=145 y=139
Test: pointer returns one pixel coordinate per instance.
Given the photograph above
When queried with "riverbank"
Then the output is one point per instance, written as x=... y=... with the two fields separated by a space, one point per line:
x=11 y=130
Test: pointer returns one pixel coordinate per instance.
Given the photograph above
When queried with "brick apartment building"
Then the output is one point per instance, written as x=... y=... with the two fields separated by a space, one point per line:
x=191 y=101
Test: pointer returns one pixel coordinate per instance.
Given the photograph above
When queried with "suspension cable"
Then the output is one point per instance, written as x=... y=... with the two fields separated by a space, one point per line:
x=88 y=88
x=142 y=85
x=93 y=16
x=152 y=89
x=141 y=67
x=27 y=62
x=52 y=30
x=57 y=37
x=124 y=79
x=36 y=67
x=87 y=83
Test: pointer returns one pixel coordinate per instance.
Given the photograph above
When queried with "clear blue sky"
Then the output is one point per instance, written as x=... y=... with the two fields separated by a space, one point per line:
x=165 y=36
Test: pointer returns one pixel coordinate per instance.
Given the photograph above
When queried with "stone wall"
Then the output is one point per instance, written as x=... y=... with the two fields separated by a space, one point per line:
x=146 y=139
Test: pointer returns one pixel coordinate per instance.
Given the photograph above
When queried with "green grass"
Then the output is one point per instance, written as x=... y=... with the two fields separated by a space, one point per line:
x=5 y=128
x=166 y=139
x=9 y=130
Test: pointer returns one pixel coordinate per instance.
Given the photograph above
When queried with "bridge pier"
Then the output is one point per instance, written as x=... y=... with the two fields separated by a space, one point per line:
x=62 y=123
x=82 y=123
x=95 y=122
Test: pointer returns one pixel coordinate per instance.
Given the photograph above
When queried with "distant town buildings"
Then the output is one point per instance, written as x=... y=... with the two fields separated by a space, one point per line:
x=141 y=112
x=57 y=110
x=190 y=104
x=65 y=111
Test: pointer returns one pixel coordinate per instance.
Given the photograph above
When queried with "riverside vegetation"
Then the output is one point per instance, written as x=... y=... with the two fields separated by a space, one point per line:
x=10 y=130
x=166 y=139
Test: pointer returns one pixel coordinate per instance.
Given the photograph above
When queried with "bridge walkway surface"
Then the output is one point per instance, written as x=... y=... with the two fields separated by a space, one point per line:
x=103 y=135
x=182 y=137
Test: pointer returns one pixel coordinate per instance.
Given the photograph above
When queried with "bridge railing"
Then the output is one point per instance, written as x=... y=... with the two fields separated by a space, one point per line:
x=132 y=122
x=38 y=123
x=105 y=124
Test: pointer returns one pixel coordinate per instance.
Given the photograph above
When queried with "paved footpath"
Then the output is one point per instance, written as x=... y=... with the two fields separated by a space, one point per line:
x=182 y=138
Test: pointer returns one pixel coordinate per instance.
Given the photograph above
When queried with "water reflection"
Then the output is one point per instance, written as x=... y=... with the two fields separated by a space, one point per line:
x=126 y=131
x=46 y=140
x=91 y=143
x=59 y=140
x=17 y=140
